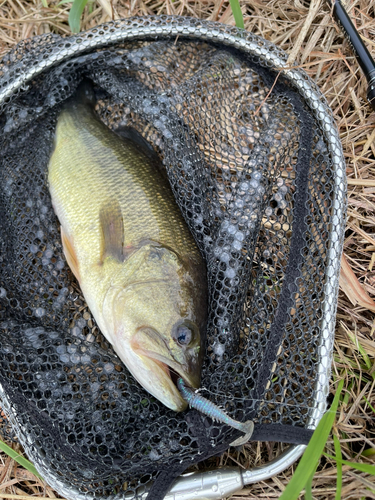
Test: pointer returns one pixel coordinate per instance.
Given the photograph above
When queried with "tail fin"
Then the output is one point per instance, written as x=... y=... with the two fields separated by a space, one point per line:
x=81 y=105
x=82 y=98
x=84 y=93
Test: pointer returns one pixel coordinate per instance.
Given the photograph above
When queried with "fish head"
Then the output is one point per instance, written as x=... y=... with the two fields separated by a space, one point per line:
x=158 y=324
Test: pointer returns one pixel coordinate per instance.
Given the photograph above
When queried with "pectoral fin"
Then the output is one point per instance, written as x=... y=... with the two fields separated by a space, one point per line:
x=112 y=229
x=69 y=253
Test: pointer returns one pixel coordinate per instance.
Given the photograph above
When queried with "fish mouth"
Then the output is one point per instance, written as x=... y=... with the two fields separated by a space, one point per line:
x=165 y=377
x=148 y=343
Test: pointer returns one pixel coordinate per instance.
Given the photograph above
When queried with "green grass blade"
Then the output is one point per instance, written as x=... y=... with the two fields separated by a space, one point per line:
x=75 y=14
x=369 y=404
x=369 y=452
x=313 y=451
x=308 y=488
x=369 y=469
x=237 y=13
x=354 y=365
x=45 y=3
x=20 y=460
x=337 y=445
x=308 y=485
x=363 y=352
x=346 y=397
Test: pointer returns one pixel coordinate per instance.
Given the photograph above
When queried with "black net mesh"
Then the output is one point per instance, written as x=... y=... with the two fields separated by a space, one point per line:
x=254 y=176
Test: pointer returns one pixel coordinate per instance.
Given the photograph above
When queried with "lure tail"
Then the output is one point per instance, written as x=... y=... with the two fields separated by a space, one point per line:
x=248 y=428
x=203 y=405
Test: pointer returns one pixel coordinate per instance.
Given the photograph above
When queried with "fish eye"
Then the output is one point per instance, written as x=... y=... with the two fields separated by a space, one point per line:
x=164 y=255
x=184 y=334
x=155 y=254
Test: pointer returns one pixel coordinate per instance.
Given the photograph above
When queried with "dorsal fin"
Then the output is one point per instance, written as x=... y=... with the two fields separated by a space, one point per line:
x=112 y=229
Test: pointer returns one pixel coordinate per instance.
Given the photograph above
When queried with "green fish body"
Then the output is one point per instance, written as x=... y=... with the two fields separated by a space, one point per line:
x=129 y=247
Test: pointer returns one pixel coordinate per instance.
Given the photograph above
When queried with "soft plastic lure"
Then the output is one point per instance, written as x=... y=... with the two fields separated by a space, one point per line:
x=203 y=405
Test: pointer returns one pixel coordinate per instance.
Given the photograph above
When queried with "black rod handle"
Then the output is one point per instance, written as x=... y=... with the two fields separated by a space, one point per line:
x=360 y=51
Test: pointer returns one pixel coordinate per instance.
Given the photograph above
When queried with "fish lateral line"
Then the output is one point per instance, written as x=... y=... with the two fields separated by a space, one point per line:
x=203 y=405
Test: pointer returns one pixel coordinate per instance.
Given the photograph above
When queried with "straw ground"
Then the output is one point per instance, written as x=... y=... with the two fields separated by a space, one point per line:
x=307 y=32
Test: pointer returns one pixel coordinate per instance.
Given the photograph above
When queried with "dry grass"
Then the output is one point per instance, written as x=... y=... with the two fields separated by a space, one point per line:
x=306 y=31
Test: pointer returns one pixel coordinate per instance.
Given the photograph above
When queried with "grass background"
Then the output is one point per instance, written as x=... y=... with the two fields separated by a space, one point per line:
x=306 y=31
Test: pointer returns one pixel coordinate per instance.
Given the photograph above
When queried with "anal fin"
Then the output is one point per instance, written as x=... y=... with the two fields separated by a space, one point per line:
x=69 y=253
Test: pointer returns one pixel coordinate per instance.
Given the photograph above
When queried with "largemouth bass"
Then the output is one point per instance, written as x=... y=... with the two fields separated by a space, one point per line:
x=130 y=249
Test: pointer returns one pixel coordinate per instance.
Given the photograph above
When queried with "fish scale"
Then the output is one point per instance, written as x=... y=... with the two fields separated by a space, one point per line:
x=133 y=186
